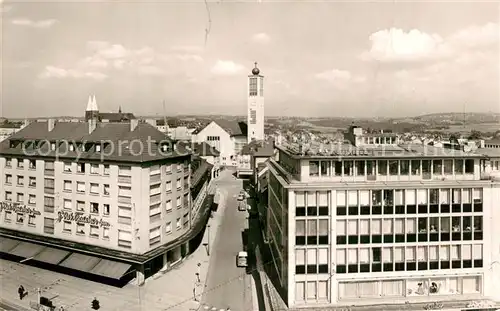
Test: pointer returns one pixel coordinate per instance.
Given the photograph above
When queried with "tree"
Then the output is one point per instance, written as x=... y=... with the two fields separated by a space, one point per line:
x=474 y=135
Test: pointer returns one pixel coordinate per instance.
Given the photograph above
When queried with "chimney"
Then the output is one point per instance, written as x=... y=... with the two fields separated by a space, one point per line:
x=133 y=124
x=51 y=123
x=92 y=125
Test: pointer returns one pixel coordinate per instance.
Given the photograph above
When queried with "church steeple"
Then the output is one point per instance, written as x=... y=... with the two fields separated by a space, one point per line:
x=92 y=111
x=120 y=109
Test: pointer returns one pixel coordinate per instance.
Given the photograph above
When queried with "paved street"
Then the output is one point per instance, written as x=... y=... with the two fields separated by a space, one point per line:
x=227 y=285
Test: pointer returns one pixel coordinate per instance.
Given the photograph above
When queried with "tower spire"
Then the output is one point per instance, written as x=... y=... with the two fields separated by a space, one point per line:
x=94 y=104
x=89 y=104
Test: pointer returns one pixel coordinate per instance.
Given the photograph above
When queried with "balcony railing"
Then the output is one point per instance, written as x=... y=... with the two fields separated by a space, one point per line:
x=155 y=178
x=125 y=200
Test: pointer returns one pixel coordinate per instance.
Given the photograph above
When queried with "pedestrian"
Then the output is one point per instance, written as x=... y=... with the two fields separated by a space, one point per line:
x=20 y=291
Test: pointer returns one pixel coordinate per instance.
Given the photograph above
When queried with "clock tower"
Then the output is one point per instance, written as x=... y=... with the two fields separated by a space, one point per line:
x=255 y=109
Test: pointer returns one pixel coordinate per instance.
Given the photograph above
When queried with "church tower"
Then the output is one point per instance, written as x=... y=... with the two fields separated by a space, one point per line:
x=92 y=112
x=255 y=118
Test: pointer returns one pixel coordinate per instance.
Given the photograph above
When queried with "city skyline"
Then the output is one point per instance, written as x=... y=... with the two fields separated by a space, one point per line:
x=319 y=59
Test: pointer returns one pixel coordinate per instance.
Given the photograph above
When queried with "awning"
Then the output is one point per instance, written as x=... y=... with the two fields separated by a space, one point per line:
x=80 y=262
x=110 y=269
x=51 y=255
x=26 y=250
x=7 y=244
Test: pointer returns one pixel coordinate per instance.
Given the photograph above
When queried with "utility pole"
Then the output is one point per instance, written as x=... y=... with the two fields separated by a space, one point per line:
x=208 y=242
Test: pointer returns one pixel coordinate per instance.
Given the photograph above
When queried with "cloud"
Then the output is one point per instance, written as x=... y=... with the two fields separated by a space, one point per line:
x=226 y=67
x=398 y=46
x=60 y=73
x=261 y=38
x=339 y=77
x=105 y=56
x=41 y=24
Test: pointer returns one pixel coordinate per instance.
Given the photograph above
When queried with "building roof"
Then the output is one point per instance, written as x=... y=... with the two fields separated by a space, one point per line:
x=119 y=143
x=199 y=167
x=489 y=152
x=312 y=151
x=202 y=149
x=258 y=149
x=116 y=116
x=234 y=128
x=493 y=141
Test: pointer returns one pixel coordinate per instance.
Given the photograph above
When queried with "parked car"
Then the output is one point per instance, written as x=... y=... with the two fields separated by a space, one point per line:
x=242 y=259
x=241 y=197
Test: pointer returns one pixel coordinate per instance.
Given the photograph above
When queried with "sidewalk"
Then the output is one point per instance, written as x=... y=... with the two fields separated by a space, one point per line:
x=171 y=291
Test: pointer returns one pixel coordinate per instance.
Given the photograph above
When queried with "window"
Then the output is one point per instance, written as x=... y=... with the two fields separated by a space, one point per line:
x=124 y=238
x=393 y=167
x=168 y=206
x=314 y=168
x=360 y=168
x=80 y=168
x=94 y=188
x=67 y=226
x=178 y=183
x=168 y=168
x=382 y=167
x=67 y=185
x=49 y=183
x=106 y=189
x=341 y=202
x=94 y=208
x=105 y=233
x=31 y=220
x=154 y=236
x=124 y=191
x=8 y=196
x=20 y=197
x=98 y=148
x=67 y=204
x=94 y=168
x=437 y=167
x=48 y=204
x=80 y=186
x=48 y=225
x=155 y=209
x=94 y=231
x=404 y=166
x=348 y=168
x=325 y=168
x=448 y=167
x=20 y=163
x=80 y=206
x=106 y=169
x=20 y=180
x=32 y=182
x=168 y=227
x=32 y=199
x=469 y=166
x=8 y=216
x=124 y=215
x=415 y=167
x=179 y=202
x=20 y=218
x=459 y=167
x=106 y=209
x=80 y=228
x=8 y=162
x=67 y=167
x=168 y=186
x=178 y=223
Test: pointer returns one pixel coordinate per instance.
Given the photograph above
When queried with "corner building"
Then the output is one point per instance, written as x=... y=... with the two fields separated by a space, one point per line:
x=83 y=197
x=373 y=222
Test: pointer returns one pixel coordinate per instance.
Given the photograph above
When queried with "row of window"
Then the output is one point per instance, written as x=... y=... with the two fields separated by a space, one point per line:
x=155 y=233
x=410 y=258
x=409 y=230
x=410 y=288
x=81 y=229
x=390 y=167
x=20 y=180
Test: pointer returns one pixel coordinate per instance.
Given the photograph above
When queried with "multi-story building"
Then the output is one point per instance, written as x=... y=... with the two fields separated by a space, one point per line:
x=381 y=223
x=106 y=200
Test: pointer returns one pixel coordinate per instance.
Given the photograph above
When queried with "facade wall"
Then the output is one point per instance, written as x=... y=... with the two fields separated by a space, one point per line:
x=255 y=108
x=217 y=137
x=121 y=204
x=357 y=244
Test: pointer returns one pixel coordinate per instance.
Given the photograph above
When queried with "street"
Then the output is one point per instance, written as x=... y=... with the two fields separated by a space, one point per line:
x=227 y=285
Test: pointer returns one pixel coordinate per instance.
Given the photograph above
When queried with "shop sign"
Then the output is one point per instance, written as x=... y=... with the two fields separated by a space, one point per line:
x=18 y=208
x=81 y=218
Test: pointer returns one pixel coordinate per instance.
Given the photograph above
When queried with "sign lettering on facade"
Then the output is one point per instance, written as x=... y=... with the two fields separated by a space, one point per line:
x=81 y=218
x=18 y=208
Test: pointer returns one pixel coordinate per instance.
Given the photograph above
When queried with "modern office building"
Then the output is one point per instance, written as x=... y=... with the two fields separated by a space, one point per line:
x=109 y=201
x=370 y=222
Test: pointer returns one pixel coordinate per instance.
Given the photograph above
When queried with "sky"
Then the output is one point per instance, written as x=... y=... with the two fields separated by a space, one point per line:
x=319 y=59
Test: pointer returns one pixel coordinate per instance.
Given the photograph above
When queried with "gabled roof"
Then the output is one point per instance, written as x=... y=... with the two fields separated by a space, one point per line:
x=259 y=149
x=116 y=116
x=120 y=143
x=234 y=128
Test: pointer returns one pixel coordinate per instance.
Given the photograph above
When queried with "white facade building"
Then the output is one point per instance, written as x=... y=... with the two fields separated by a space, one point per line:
x=392 y=224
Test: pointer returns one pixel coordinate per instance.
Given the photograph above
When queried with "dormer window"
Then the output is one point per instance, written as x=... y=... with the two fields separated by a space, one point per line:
x=165 y=148
x=98 y=148
x=53 y=146
x=71 y=147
